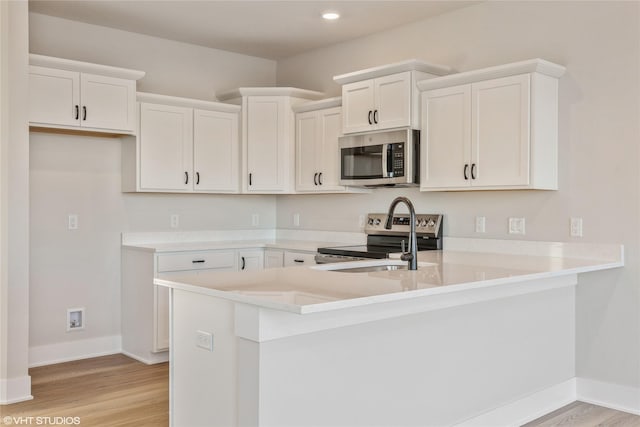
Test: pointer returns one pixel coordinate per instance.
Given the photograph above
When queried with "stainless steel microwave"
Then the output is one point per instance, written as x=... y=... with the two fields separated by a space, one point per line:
x=381 y=158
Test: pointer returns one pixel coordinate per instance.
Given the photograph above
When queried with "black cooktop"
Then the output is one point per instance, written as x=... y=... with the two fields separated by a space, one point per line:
x=362 y=251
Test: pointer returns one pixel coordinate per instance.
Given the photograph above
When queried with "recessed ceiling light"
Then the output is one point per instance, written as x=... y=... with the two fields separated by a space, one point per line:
x=331 y=16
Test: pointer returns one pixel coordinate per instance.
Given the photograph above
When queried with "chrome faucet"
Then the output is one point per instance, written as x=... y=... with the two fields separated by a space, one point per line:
x=412 y=255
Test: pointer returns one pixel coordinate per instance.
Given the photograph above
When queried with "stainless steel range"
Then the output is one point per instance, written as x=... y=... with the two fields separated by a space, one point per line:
x=382 y=242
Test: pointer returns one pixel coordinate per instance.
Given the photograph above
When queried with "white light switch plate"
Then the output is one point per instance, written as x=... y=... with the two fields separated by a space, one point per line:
x=175 y=221
x=576 y=227
x=255 y=219
x=296 y=220
x=481 y=224
x=73 y=222
x=516 y=226
x=204 y=340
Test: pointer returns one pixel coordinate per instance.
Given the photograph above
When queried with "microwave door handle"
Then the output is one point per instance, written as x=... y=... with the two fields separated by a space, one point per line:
x=389 y=161
x=385 y=163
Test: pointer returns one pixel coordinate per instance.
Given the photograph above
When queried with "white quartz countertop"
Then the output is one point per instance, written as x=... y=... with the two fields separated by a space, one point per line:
x=315 y=289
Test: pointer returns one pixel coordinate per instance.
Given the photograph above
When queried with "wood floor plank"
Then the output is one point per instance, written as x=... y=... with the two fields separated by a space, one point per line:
x=580 y=414
x=117 y=391
x=105 y=391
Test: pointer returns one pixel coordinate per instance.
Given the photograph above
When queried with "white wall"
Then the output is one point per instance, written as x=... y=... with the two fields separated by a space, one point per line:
x=173 y=68
x=74 y=174
x=15 y=383
x=599 y=43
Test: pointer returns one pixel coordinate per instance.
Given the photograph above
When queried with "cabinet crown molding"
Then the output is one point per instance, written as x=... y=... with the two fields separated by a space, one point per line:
x=397 y=67
x=318 y=105
x=536 y=65
x=84 y=67
x=177 y=101
x=269 y=91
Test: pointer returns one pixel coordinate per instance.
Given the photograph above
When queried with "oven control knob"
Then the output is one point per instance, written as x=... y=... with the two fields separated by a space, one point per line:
x=370 y=221
x=431 y=223
x=377 y=221
x=423 y=223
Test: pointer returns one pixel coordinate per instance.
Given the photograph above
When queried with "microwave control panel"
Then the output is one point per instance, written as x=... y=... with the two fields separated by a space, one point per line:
x=396 y=161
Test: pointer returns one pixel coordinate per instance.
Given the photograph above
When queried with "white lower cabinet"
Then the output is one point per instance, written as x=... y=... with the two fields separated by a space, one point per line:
x=250 y=260
x=298 y=258
x=145 y=306
x=273 y=258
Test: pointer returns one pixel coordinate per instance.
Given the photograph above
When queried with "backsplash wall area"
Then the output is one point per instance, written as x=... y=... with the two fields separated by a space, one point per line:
x=599 y=43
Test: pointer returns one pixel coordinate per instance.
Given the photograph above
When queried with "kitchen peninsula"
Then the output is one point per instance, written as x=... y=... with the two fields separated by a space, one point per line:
x=478 y=335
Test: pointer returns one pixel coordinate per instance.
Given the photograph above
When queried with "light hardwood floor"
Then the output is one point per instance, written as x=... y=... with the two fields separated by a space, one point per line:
x=105 y=391
x=119 y=391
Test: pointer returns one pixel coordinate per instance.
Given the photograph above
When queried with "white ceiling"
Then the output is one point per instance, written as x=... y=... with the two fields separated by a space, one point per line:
x=266 y=28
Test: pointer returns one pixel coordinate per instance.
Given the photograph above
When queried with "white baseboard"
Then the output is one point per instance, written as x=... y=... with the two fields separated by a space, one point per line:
x=74 y=350
x=155 y=357
x=15 y=390
x=527 y=409
x=614 y=396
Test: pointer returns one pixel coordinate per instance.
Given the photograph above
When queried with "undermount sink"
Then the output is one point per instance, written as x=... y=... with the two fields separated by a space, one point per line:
x=371 y=268
x=365 y=266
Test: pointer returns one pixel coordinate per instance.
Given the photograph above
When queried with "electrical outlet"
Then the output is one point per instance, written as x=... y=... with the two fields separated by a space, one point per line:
x=75 y=319
x=255 y=219
x=204 y=340
x=361 y=221
x=576 y=227
x=175 y=220
x=296 y=220
x=72 y=222
x=481 y=224
x=516 y=226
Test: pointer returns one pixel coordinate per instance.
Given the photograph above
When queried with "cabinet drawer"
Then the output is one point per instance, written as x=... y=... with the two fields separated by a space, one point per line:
x=299 y=258
x=196 y=261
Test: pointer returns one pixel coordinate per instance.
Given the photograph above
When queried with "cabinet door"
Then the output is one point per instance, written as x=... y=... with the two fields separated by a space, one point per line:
x=161 y=318
x=166 y=147
x=215 y=151
x=107 y=102
x=307 y=151
x=446 y=138
x=296 y=259
x=357 y=105
x=273 y=259
x=500 y=149
x=393 y=101
x=266 y=143
x=54 y=96
x=250 y=260
x=330 y=125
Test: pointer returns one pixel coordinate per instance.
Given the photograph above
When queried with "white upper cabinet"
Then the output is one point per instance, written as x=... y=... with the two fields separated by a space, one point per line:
x=216 y=145
x=166 y=147
x=384 y=97
x=359 y=104
x=491 y=129
x=268 y=136
x=268 y=145
x=183 y=145
x=76 y=95
x=446 y=137
x=501 y=132
x=54 y=96
x=318 y=127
